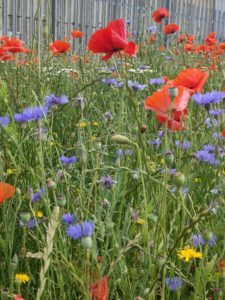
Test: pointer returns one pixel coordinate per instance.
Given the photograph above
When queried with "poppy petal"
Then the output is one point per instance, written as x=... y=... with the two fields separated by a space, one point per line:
x=6 y=191
x=118 y=26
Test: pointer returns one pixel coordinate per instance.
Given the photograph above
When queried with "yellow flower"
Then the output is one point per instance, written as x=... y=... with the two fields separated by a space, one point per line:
x=11 y=171
x=140 y=221
x=38 y=214
x=82 y=124
x=95 y=123
x=22 y=277
x=162 y=161
x=197 y=179
x=52 y=143
x=189 y=253
x=223 y=172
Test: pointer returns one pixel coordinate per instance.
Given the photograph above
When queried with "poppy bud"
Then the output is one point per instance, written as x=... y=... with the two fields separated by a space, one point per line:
x=169 y=159
x=61 y=201
x=5 y=294
x=13 y=263
x=178 y=179
x=143 y=128
x=18 y=191
x=25 y=217
x=146 y=291
x=97 y=145
x=86 y=242
x=173 y=92
x=51 y=184
x=120 y=139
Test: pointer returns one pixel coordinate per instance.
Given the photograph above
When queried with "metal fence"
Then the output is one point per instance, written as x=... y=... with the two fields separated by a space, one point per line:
x=55 y=19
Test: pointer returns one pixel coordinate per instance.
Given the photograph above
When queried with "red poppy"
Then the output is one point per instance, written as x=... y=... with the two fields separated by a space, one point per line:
x=176 y=121
x=59 y=47
x=99 y=289
x=190 y=38
x=152 y=38
x=188 y=47
x=18 y=297
x=211 y=39
x=222 y=46
x=192 y=79
x=171 y=28
x=13 y=45
x=111 y=39
x=159 y=14
x=161 y=104
x=6 y=191
x=77 y=34
x=181 y=38
x=223 y=133
x=162 y=48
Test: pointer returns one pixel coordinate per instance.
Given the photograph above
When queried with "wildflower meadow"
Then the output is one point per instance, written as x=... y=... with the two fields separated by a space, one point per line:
x=112 y=169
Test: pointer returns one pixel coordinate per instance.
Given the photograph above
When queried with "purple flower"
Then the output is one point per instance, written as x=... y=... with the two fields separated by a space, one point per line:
x=198 y=240
x=185 y=145
x=4 y=121
x=128 y=22
x=68 y=218
x=108 y=116
x=136 y=86
x=155 y=142
x=174 y=283
x=31 y=223
x=107 y=181
x=88 y=228
x=212 y=240
x=208 y=98
x=152 y=29
x=215 y=112
x=31 y=114
x=206 y=156
x=80 y=230
x=74 y=231
x=36 y=196
x=157 y=81
x=55 y=100
x=68 y=160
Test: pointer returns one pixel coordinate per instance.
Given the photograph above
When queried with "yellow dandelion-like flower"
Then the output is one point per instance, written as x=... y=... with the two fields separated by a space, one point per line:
x=189 y=253
x=11 y=171
x=52 y=143
x=162 y=161
x=82 y=124
x=38 y=213
x=23 y=278
x=223 y=172
x=95 y=123
x=140 y=221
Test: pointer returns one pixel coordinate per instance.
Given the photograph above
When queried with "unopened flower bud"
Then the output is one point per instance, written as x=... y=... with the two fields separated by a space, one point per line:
x=25 y=217
x=169 y=159
x=173 y=92
x=143 y=128
x=51 y=184
x=146 y=291
x=13 y=263
x=86 y=242
x=61 y=200
x=178 y=179
x=18 y=191
x=5 y=294
x=120 y=139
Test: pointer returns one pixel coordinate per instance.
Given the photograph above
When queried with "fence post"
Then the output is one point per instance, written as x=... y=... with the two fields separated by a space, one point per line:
x=53 y=19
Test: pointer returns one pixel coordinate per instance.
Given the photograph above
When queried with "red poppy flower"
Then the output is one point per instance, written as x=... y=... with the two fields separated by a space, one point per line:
x=18 y=297
x=99 y=289
x=192 y=79
x=6 y=191
x=159 y=14
x=223 y=133
x=222 y=45
x=110 y=40
x=161 y=104
x=176 y=121
x=152 y=38
x=77 y=34
x=190 y=38
x=59 y=47
x=181 y=38
x=13 y=45
x=170 y=28
x=211 y=39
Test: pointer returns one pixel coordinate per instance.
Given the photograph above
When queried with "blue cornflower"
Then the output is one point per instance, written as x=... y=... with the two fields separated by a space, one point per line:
x=212 y=240
x=198 y=240
x=128 y=22
x=68 y=218
x=55 y=100
x=206 y=156
x=4 y=121
x=80 y=230
x=173 y=171
x=160 y=133
x=174 y=283
x=185 y=145
x=155 y=142
x=108 y=116
x=31 y=114
x=209 y=122
x=68 y=160
x=208 y=148
x=31 y=223
x=120 y=152
x=152 y=29
x=107 y=181
x=37 y=195
x=208 y=98
x=215 y=112
x=136 y=86
x=157 y=81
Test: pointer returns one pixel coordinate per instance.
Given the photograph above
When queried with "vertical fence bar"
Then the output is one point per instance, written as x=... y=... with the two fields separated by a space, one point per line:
x=5 y=17
x=83 y=21
x=23 y=19
x=62 y=13
x=14 y=23
x=69 y=10
x=53 y=21
x=90 y=18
